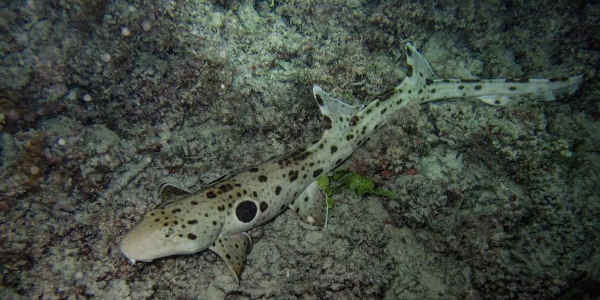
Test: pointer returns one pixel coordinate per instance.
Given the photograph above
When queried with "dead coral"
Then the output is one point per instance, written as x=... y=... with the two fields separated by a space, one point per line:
x=29 y=171
x=32 y=165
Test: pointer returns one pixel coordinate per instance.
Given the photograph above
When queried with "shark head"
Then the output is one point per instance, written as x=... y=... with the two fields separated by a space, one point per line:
x=173 y=230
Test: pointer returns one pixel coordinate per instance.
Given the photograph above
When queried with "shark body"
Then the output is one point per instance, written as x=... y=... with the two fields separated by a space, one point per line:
x=218 y=216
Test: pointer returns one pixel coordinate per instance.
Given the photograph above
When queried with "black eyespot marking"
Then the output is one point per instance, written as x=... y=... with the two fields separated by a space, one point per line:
x=428 y=81
x=214 y=223
x=157 y=220
x=227 y=256
x=277 y=190
x=306 y=199
x=349 y=137
x=318 y=172
x=246 y=211
x=333 y=149
x=254 y=194
x=262 y=178
x=383 y=111
x=263 y=206
x=192 y=222
x=477 y=87
x=433 y=91
x=512 y=88
x=354 y=120
x=253 y=170
x=191 y=236
x=221 y=207
x=176 y=210
x=211 y=194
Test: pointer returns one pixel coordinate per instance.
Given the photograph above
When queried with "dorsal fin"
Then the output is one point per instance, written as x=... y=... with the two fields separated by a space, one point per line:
x=333 y=108
x=419 y=69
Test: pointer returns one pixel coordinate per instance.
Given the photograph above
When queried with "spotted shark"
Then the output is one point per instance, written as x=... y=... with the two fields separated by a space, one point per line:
x=218 y=216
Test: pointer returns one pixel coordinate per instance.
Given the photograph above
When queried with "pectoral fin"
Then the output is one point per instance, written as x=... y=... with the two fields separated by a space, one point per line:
x=233 y=250
x=168 y=193
x=311 y=206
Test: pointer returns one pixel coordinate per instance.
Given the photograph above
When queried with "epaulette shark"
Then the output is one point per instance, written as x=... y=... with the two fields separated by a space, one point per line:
x=218 y=216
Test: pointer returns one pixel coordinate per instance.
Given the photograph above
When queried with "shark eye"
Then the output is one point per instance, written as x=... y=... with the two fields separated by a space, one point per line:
x=246 y=211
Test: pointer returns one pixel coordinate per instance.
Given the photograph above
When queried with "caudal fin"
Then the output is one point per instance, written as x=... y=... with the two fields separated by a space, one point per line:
x=421 y=85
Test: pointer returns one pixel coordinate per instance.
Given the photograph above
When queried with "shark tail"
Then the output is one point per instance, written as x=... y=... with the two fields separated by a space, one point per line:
x=502 y=92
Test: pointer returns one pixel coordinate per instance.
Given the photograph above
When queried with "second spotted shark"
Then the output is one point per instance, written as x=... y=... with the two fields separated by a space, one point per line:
x=218 y=216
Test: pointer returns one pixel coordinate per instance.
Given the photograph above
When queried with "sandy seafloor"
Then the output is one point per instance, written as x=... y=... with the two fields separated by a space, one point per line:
x=101 y=101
